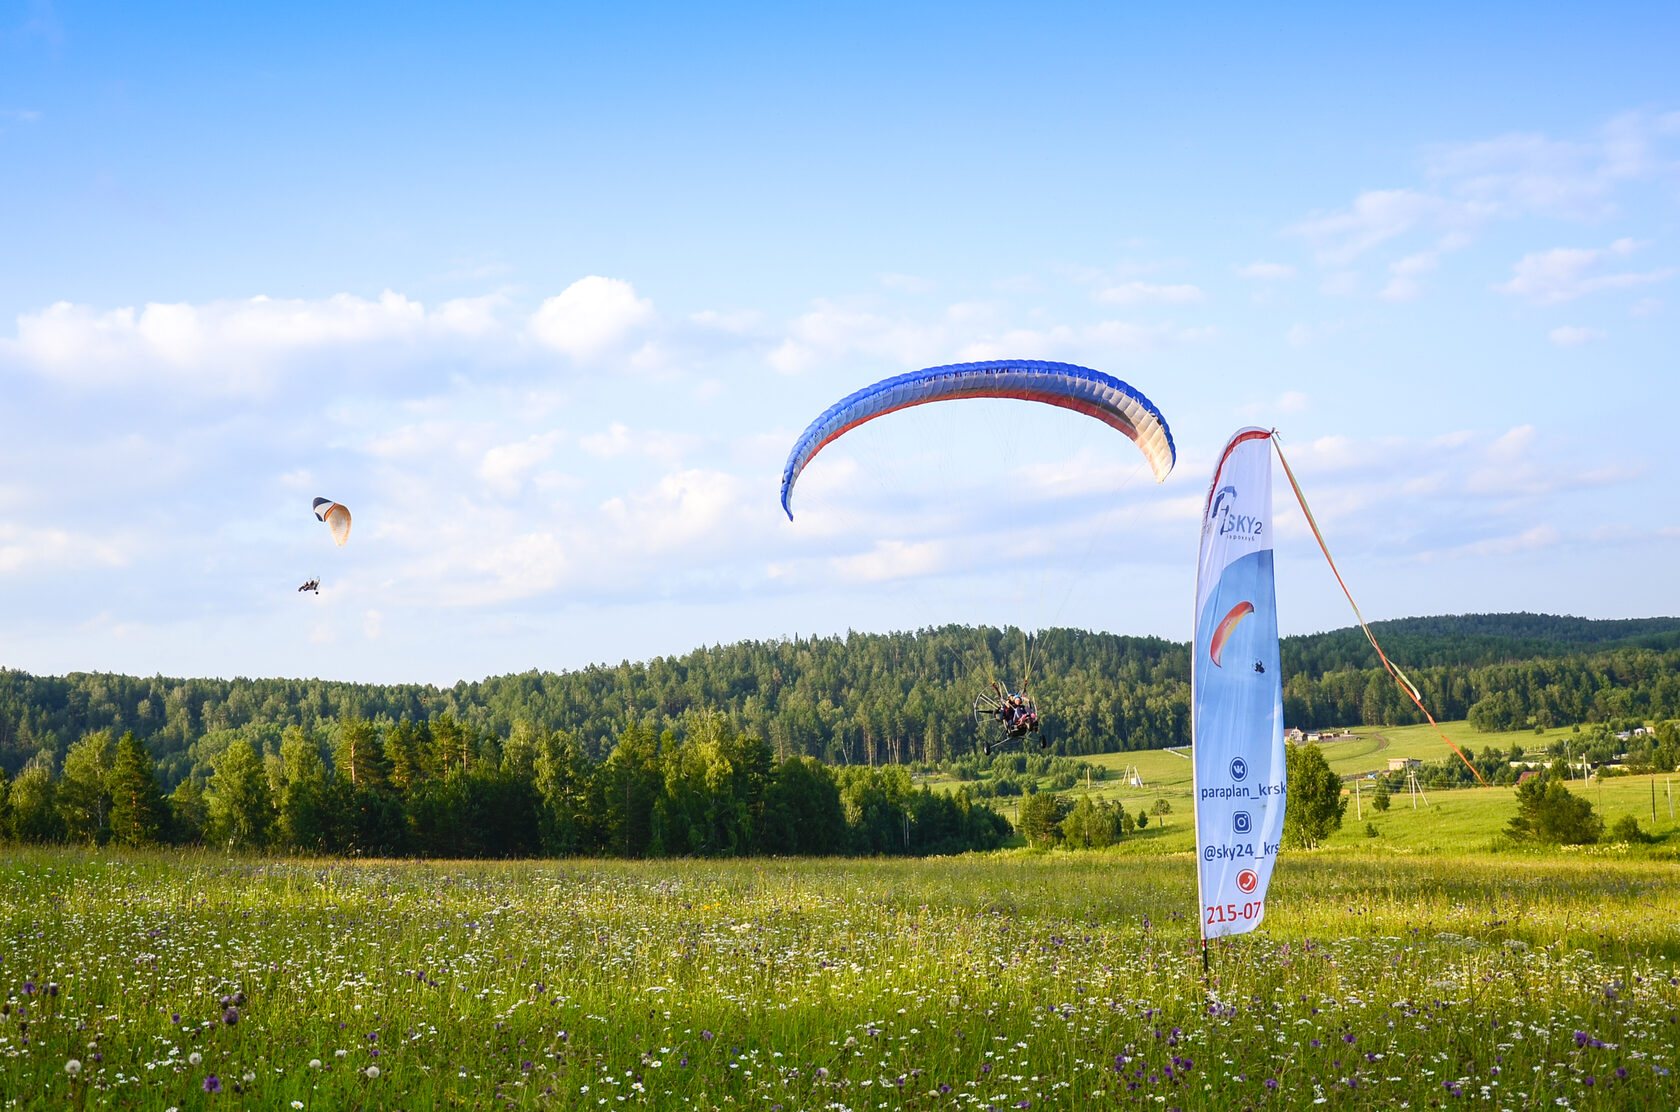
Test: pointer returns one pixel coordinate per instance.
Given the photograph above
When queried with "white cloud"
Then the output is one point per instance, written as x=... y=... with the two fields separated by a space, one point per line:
x=504 y=467
x=832 y=330
x=589 y=316
x=1379 y=215
x=228 y=346
x=1569 y=336
x=56 y=548
x=1533 y=174
x=1645 y=307
x=1565 y=273
x=683 y=510
x=618 y=440
x=743 y=323
x=1340 y=283
x=892 y=560
x=1403 y=284
x=1137 y=293
x=1265 y=272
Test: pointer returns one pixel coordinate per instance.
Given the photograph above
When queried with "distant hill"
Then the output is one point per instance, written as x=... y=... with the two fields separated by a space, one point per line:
x=1472 y=640
x=901 y=697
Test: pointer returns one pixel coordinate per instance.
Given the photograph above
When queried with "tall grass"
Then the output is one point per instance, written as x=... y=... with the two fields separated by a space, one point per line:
x=1010 y=980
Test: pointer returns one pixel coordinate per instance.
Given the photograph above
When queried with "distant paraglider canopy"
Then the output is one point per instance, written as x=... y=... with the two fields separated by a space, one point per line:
x=1065 y=385
x=337 y=518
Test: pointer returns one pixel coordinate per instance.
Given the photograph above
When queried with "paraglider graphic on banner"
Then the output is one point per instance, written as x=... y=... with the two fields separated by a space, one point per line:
x=1236 y=694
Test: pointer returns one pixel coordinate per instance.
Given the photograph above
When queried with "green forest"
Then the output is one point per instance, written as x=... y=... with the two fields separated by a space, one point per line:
x=801 y=745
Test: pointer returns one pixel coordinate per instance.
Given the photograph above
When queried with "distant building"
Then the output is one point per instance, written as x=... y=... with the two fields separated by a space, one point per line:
x=1293 y=735
x=1401 y=764
x=1527 y=776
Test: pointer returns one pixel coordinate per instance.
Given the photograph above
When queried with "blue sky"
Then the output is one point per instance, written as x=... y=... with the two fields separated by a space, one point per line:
x=545 y=295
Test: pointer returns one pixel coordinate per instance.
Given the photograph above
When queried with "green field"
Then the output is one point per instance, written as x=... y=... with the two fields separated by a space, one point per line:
x=1015 y=980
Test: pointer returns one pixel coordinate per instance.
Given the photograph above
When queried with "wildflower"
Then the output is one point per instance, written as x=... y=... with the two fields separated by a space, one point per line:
x=249 y=1077
x=340 y=1053
x=707 y=1035
x=297 y=1104
x=822 y=1073
x=231 y=1016
x=212 y=1084
x=29 y=988
x=314 y=1063
x=1271 y=1082
x=372 y=1073
x=194 y=1058
x=1621 y=1073
x=72 y=1067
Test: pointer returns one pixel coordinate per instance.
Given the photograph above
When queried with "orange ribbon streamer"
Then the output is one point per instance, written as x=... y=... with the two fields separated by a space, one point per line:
x=1406 y=684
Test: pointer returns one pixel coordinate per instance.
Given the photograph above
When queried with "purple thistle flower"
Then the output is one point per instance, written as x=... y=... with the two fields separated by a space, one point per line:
x=526 y=1066
x=29 y=988
x=212 y=1084
x=1315 y=1044
x=231 y=1016
x=1621 y=1073
x=707 y=1035
x=1271 y=1082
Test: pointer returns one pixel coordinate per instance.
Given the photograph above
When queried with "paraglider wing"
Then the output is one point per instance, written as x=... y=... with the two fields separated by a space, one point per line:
x=1060 y=384
x=337 y=518
x=1216 y=645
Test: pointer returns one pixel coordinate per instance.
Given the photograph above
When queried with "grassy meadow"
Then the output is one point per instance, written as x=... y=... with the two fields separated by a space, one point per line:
x=1012 y=980
x=1437 y=822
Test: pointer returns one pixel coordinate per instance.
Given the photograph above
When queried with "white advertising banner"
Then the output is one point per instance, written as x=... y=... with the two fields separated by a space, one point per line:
x=1236 y=693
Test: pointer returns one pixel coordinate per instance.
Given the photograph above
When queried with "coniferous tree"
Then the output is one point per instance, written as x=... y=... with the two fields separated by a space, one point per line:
x=301 y=811
x=1381 y=799
x=359 y=757
x=561 y=778
x=1316 y=803
x=137 y=810
x=240 y=810
x=1549 y=813
x=188 y=813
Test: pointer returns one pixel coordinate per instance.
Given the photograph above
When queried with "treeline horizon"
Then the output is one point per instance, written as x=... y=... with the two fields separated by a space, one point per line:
x=441 y=789
x=888 y=699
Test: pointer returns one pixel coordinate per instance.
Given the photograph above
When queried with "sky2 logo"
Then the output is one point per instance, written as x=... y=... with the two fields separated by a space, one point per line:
x=1242 y=525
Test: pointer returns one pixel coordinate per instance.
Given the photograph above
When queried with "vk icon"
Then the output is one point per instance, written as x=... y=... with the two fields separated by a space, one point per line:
x=1239 y=769
x=1242 y=823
